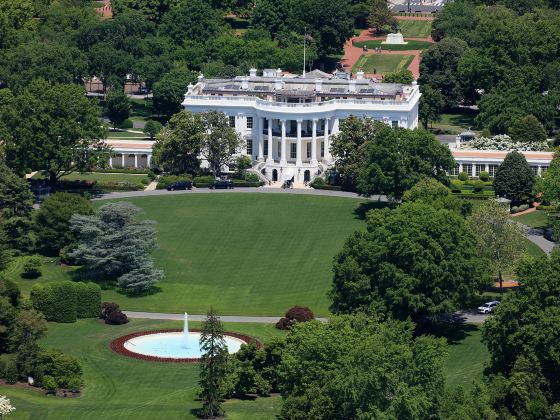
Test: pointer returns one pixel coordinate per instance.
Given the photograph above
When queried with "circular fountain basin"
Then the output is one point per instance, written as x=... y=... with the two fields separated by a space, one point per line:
x=174 y=345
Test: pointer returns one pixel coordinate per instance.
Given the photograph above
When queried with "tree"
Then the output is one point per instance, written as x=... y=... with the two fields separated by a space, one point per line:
x=500 y=239
x=115 y=244
x=30 y=327
x=153 y=10
x=514 y=178
x=380 y=16
x=527 y=129
x=152 y=128
x=191 y=20
x=110 y=65
x=438 y=69
x=52 y=222
x=178 y=145
x=169 y=91
x=524 y=338
x=220 y=142
x=432 y=103
x=414 y=261
x=398 y=158
x=271 y=16
x=551 y=181
x=355 y=366
x=118 y=107
x=403 y=76
x=213 y=365
x=42 y=135
x=432 y=192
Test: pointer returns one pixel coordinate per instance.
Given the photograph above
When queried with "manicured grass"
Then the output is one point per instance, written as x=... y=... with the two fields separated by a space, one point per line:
x=103 y=177
x=242 y=253
x=532 y=249
x=537 y=219
x=126 y=388
x=126 y=134
x=415 y=28
x=456 y=122
x=411 y=45
x=382 y=63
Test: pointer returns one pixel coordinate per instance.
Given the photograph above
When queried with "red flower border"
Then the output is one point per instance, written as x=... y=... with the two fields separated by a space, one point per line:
x=117 y=345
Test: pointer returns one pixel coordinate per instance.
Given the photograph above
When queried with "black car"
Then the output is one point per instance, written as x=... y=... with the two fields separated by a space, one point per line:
x=223 y=184
x=180 y=185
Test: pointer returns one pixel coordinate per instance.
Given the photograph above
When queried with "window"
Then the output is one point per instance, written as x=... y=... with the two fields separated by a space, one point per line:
x=249 y=122
x=394 y=124
x=280 y=150
x=492 y=169
x=467 y=167
x=535 y=170
x=293 y=150
x=250 y=147
x=308 y=150
x=266 y=148
x=322 y=149
x=231 y=121
x=478 y=168
x=454 y=171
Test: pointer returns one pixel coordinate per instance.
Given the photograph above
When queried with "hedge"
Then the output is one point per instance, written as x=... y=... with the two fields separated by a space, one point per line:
x=66 y=301
x=242 y=183
x=166 y=180
x=122 y=171
x=471 y=196
x=327 y=187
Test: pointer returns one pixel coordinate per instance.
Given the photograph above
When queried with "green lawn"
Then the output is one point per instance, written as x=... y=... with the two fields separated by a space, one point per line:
x=532 y=249
x=243 y=254
x=126 y=388
x=456 y=122
x=104 y=178
x=382 y=63
x=126 y=134
x=411 y=45
x=415 y=28
x=536 y=219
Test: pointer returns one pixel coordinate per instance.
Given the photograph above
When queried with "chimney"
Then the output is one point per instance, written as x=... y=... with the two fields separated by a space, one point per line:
x=278 y=72
x=360 y=75
x=190 y=89
x=318 y=85
x=245 y=83
x=252 y=72
x=352 y=86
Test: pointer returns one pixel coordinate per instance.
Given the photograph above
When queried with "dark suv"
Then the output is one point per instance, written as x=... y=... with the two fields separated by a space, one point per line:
x=224 y=184
x=180 y=185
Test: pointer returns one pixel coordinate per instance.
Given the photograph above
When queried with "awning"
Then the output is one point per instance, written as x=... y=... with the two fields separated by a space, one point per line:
x=288 y=174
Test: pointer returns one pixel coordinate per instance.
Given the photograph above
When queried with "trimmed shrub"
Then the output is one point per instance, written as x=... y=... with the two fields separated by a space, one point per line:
x=514 y=210
x=112 y=315
x=242 y=183
x=484 y=176
x=203 y=181
x=88 y=300
x=478 y=186
x=107 y=308
x=126 y=124
x=463 y=176
x=145 y=181
x=294 y=315
x=166 y=180
x=65 y=370
x=11 y=373
x=456 y=186
x=57 y=301
x=250 y=177
x=318 y=182
x=32 y=268
x=523 y=207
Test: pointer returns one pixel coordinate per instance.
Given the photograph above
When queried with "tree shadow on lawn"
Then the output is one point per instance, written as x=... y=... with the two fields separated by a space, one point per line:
x=363 y=208
x=83 y=274
x=454 y=331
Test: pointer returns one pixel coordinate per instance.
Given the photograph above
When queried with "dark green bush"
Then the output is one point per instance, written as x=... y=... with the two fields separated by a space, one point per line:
x=11 y=373
x=32 y=268
x=318 y=182
x=57 y=301
x=484 y=176
x=205 y=179
x=456 y=186
x=250 y=177
x=463 y=176
x=65 y=370
x=126 y=124
x=166 y=180
x=145 y=181
x=478 y=186
x=88 y=300
x=10 y=290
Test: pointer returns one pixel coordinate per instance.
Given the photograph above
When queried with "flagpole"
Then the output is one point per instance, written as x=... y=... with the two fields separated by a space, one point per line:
x=304 y=36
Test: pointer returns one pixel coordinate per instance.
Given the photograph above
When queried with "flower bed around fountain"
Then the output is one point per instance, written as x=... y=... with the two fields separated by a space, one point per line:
x=122 y=345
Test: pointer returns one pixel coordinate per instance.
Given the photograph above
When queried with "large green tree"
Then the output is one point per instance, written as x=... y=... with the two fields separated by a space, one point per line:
x=524 y=342
x=190 y=20
x=380 y=16
x=432 y=104
x=514 y=178
x=43 y=135
x=527 y=129
x=397 y=158
x=220 y=142
x=153 y=10
x=118 y=107
x=213 y=366
x=551 y=181
x=356 y=367
x=179 y=143
x=169 y=91
x=52 y=221
x=415 y=261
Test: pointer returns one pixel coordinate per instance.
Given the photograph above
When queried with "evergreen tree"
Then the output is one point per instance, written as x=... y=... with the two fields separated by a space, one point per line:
x=213 y=365
x=514 y=178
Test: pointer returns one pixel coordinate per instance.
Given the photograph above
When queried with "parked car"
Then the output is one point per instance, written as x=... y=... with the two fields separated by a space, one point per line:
x=180 y=185
x=224 y=184
x=488 y=307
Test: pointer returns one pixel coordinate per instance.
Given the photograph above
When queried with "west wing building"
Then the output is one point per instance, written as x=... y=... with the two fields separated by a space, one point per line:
x=287 y=121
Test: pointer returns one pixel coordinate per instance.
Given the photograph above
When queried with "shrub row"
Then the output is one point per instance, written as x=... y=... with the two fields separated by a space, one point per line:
x=166 y=180
x=243 y=183
x=473 y=196
x=327 y=187
x=81 y=185
x=518 y=209
x=119 y=170
x=66 y=301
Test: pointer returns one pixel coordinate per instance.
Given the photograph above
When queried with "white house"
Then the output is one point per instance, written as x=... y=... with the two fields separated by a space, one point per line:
x=287 y=120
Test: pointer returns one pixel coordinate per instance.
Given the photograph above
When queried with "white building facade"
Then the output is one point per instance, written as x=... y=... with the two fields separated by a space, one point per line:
x=287 y=121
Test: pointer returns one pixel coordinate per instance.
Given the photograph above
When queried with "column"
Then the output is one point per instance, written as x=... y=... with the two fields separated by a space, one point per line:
x=149 y=163
x=283 y=157
x=269 y=157
x=460 y=167
x=487 y=168
x=327 y=156
x=260 y=126
x=335 y=126
x=314 y=143
x=298 y=145
x=136 y=160
x=122 y=159
x=111 y=162
x=539 y=170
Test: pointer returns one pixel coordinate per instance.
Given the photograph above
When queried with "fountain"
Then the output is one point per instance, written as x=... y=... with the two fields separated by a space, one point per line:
x=172 y=345
x=395 y=39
